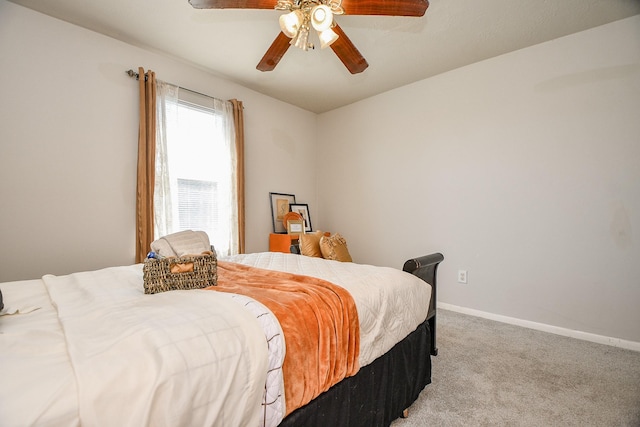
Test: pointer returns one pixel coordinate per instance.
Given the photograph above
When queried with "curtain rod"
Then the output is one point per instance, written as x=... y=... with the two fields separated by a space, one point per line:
x=132 y=73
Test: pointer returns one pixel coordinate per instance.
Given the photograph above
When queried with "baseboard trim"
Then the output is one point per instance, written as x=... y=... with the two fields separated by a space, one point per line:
x=600 y=339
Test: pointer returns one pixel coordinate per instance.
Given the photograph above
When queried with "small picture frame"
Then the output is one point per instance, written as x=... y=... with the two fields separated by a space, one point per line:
x=280 y=205
x=295 y=226
x=303 y=209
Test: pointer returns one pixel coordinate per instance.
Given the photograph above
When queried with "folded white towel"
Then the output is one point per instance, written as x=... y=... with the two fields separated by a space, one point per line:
x=182 y=243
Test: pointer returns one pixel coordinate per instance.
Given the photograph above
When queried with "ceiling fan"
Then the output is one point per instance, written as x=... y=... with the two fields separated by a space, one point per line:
x=318 y=14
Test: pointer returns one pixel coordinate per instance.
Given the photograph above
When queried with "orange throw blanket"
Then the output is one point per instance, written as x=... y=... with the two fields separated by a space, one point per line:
x=319 y=320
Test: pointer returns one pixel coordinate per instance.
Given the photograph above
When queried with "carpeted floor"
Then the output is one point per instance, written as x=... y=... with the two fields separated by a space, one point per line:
x=489 y=373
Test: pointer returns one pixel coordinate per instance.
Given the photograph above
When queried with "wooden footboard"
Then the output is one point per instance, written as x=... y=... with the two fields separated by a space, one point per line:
x=426 y=267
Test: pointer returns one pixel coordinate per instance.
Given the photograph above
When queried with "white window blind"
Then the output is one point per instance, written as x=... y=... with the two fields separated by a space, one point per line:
x=196 y=208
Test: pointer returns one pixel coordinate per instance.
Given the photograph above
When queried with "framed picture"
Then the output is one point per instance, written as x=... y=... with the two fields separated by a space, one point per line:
x=295 y=226
x=280 y=205
x=302 y=209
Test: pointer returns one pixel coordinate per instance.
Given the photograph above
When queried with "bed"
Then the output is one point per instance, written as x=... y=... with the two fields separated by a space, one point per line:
x=91 y=349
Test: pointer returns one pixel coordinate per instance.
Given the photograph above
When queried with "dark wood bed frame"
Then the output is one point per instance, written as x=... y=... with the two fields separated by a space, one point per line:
x=383 y=390
x=426 y=268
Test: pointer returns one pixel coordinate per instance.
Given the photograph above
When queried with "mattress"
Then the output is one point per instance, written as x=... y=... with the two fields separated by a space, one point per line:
x=96 y=344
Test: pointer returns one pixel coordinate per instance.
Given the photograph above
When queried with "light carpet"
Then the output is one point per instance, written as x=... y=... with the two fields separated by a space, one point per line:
x=489 y=373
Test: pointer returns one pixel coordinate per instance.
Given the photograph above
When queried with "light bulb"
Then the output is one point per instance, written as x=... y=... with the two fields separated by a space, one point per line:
x=321 y=17
x=327 y=37
x=290 y=23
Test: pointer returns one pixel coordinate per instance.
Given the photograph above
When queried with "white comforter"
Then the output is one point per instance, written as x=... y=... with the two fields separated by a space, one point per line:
x=391 y=303
x=99 y=352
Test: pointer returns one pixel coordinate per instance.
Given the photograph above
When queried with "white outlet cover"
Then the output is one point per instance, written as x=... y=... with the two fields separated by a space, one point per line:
x=462 y=276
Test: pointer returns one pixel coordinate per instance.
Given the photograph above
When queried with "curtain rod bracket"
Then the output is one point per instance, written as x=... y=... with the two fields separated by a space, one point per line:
x=132 y=73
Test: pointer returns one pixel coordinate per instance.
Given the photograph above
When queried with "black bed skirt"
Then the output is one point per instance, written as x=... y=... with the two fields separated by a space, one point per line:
x=378 y=393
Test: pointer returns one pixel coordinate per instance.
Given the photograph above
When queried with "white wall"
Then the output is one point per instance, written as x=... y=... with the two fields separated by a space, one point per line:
x=68 y=146
x=523 y=169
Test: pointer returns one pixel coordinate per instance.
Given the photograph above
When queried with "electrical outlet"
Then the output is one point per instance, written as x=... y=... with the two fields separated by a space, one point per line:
x=462 y=276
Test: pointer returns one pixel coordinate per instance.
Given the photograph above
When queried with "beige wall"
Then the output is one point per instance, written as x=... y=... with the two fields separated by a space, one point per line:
x=68 y=137
x=523 y=170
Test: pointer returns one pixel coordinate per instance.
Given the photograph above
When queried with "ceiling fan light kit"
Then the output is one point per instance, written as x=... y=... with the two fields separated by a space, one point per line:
x=318 y=13
x=303 y=14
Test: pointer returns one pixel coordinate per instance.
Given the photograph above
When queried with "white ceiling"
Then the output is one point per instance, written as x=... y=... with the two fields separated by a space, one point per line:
x=399 y=50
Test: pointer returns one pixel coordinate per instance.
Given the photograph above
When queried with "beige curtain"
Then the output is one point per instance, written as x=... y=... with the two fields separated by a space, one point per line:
x=146 y=163
x=238 y=118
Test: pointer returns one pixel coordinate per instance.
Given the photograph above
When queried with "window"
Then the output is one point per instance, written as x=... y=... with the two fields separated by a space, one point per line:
x=196 y=209
x=195 y=168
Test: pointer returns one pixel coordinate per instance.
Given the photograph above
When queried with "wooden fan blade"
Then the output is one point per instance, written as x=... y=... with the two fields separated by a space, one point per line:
x=347 y=52
x=275 y=53
x=385 y=7
x=233 y=4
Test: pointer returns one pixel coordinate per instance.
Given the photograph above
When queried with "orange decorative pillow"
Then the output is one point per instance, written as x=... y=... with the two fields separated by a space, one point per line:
x=335 y=248
x=310 y=244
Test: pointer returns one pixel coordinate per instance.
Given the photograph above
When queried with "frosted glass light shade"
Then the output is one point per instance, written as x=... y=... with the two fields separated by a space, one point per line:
x=321 y=17
x=327 y=37
x=290 y=23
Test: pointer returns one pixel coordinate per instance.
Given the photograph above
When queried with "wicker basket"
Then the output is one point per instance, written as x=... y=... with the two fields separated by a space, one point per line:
x=189 y=272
